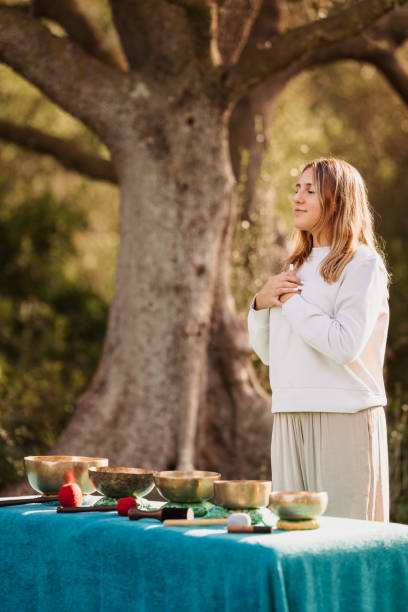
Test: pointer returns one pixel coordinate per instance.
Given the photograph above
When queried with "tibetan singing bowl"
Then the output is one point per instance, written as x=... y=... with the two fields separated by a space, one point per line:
x=121 y=481
x=234 y=494
x=186 y=486
x=47 y=474
x=298 y=504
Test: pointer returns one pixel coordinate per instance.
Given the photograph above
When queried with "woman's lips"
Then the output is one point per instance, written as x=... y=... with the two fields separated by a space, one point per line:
x=297 y=210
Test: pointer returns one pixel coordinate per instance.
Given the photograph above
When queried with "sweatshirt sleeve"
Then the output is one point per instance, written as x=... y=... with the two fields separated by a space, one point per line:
x=258 y=327
x=358 y=304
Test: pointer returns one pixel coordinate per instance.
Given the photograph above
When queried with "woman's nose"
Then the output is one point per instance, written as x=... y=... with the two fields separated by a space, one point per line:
x=298 y=197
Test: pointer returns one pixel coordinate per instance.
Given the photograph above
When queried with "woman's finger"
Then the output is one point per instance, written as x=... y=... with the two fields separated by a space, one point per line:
x=291 y=275
x=288 y=290
x=289 y=284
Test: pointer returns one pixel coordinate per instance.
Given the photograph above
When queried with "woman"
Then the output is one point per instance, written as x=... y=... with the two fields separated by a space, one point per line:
x=322 y=329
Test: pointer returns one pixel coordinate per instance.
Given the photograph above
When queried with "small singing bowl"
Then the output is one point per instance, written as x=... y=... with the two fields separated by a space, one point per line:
x=192 y=486
x=47 y=474
x=240 y=494
x=298 y=504
x=121 y=481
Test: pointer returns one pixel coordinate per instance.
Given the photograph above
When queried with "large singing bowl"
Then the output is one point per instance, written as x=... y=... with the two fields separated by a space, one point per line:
x=192 y=486
x=242 y=494
x=122 y=481
x=298 y=504
x=47 y=474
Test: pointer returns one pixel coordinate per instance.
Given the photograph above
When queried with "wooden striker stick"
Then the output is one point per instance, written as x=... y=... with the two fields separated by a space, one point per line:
x=194 y=522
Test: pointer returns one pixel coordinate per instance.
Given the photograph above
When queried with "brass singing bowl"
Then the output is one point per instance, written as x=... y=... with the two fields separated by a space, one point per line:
x=47 y=474
x=121 y=481
x=186 y=486
x=235 y=494
x=298 y=504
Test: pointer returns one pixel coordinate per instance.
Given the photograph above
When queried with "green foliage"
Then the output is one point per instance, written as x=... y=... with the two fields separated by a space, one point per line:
x=51 y=328
x=55 y=230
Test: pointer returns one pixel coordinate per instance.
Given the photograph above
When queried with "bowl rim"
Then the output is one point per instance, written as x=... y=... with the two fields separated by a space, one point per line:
x=113 y=469
x=243 y=482
x=62 y=458
x=298 y=493
x=186 y=474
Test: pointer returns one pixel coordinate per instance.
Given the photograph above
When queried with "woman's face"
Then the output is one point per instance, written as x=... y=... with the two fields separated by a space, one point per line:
x=305 y=204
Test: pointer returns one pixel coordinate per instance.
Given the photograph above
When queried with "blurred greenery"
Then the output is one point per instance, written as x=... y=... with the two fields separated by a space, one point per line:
x=51 y=330
x=55 y=230
x=58 y=242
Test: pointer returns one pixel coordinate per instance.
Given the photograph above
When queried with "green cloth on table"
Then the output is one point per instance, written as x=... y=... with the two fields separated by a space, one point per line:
x=259 y=516
x=146 y=505
x=201 y=509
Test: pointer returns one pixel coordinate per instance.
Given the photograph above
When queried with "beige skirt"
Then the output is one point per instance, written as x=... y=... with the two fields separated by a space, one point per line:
x=343 y=454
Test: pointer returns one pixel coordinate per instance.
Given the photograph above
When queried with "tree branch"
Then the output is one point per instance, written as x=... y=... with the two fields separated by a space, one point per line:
x=76 y=24
x=235 y=21
x=393 y=27
x=65 y=151
x=378 y=45
x=80 y=84
x=204 y=17
x=221 y=27
x=158 y=37
x=280 y=52
x=386 y=60
x=395 y=70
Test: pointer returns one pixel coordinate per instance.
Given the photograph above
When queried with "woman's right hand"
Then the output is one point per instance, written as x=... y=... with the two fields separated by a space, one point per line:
x=285 y=282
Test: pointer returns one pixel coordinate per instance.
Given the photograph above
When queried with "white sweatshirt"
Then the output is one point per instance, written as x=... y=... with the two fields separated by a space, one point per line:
x=325 y=347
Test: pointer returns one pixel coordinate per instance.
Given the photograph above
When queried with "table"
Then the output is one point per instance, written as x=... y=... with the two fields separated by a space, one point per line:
x=104 y=562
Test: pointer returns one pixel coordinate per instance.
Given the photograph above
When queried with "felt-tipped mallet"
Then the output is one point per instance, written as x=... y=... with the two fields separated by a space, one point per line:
x=161 y=515
x=70 y=494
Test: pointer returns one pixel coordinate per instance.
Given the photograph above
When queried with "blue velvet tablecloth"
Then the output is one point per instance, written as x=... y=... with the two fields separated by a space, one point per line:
x=104 y=562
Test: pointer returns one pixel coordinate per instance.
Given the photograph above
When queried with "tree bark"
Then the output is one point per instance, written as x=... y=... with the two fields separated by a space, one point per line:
x=235 y=415
x=155 y=376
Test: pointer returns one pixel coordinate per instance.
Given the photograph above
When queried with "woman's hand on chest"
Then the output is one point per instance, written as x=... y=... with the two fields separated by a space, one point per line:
x=285 y=297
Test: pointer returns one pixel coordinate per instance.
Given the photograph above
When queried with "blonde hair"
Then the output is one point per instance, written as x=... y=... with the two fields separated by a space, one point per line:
x=346 y=216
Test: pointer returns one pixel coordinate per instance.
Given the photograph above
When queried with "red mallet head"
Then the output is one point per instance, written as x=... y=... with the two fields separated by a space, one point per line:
x=70 y=494
x=124 y=504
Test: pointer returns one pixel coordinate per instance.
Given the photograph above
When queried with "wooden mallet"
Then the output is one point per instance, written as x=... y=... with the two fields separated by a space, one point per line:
x=15 y=501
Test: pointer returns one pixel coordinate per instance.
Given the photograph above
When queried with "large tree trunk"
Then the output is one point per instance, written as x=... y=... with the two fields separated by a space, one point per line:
x=156 y=374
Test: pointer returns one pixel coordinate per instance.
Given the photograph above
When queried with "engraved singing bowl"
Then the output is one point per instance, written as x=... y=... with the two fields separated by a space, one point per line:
x=121 y=481
x=235 y=494
x=47 y=474
x=298 y=504
x=192 y=486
